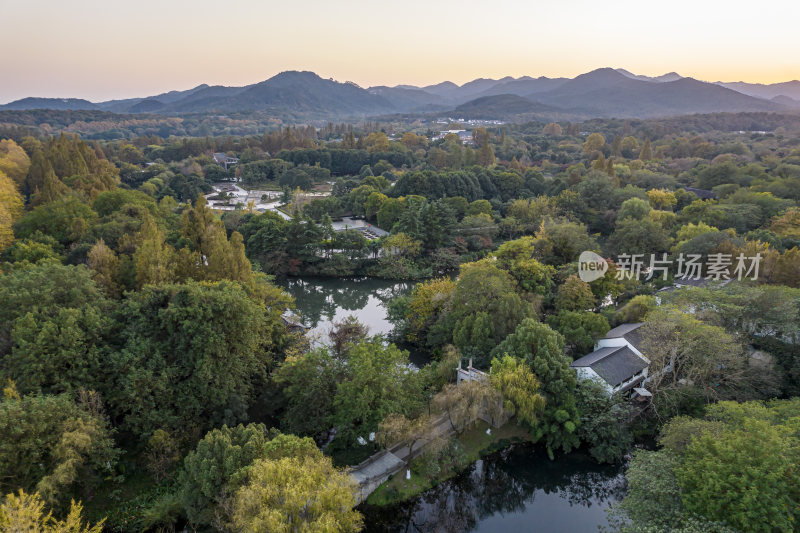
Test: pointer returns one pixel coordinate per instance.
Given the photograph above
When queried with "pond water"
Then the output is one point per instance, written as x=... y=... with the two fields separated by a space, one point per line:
x=518 y=489
x=322 y=301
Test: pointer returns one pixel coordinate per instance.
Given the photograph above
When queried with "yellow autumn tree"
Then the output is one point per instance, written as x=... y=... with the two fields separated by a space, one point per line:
x=429 y=300
x=787 y=224
x=402 y=245
x=519 y=387
x=11 y=208
x=211 y=257
x=377 y=142
x=154 y=258
x=14 y=162
x=104 y=265
x=25 y=513
x=553 y=129
x=662 y=199
x=594 y=142
x=296 y=494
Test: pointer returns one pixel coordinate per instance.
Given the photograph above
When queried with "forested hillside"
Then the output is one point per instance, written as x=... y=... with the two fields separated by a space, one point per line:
x=152 y=379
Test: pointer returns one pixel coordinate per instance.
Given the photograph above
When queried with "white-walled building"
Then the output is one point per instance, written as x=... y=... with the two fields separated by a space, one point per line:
x=616 y=362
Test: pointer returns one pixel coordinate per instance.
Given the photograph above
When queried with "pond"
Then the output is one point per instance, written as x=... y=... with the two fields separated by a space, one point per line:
x=518 y=489
x=322 y=301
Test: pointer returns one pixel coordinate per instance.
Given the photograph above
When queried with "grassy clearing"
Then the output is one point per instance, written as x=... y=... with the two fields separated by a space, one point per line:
x=475 y=443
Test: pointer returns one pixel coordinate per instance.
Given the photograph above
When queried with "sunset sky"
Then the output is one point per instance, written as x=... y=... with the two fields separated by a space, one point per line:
x=103 y=50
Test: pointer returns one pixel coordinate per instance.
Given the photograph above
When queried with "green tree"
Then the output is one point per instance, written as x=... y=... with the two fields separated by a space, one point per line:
x=732 y=470
x=542 y=349
x=308 y=382
x=747 y=477
x=636 y=309
x=40 y=292
x=662 y=199
x=479 y=206
x=634 y=208
x=191 y=356
x=486 y=156
x=428 y=304
x=646 y=153
x=57 y=219
x=11 y=207
x=560 y=241
x=62 y=352
x=359 y=197
x=104 y=265
x=210 y=255
x=373 y=204
x=54 y=446
x=517 y=257
x=692 y=363
x=604 y=422
x=633 y=236
x=216 y=468
x=51 y=190
x=653 y=501
x=485 y=309
x=389 y=212
x=377 y=384
x=575 y=295
x=580 y=329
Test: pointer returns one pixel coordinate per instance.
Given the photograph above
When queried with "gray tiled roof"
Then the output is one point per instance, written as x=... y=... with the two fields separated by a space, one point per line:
x=613 y=364
x=624 y=329
x=629 y=332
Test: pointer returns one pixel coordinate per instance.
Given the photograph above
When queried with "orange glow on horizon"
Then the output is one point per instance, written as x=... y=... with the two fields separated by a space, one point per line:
x=98 y=51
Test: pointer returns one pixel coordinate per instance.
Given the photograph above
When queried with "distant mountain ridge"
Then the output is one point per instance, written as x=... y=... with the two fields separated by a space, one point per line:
x=32 y=102
x=760 y=90
x=669 y=76
x=603 y=92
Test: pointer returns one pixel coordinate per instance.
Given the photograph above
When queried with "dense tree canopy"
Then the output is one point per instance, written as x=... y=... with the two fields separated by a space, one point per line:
x=138 y=310
x=192 y=355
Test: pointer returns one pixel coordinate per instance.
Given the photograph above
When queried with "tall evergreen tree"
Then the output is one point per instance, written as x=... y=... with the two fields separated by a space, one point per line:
x=646 y=153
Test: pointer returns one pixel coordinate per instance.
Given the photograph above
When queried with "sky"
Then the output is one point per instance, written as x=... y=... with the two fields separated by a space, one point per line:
x=101 y=50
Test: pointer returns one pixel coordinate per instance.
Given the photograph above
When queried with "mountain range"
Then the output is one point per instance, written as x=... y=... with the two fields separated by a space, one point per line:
x=604 y=92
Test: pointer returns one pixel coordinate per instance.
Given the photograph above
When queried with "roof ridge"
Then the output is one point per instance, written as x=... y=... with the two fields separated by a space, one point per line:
x=612 y=352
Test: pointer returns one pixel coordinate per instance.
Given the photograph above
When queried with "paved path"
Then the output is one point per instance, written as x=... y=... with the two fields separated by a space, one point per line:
x=371 y=473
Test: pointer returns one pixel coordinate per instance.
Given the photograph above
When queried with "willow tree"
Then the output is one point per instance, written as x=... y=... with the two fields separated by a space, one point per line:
x=542 y=349
x=296 y=494
x=519 y=387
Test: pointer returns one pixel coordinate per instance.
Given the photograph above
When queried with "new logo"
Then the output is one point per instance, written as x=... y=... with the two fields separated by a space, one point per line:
x=591 y=266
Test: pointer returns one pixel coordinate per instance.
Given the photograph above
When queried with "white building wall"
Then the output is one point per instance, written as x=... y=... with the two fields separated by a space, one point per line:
x=584 y=372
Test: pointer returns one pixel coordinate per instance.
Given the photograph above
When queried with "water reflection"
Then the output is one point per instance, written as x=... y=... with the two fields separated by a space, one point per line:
x=321 y=301
x=516 y=489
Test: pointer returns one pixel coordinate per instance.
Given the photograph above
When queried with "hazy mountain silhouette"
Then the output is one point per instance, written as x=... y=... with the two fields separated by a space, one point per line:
x=787 y=88
x=603 y=92
x=501 y=106
x=50 y=103
x=669 y=76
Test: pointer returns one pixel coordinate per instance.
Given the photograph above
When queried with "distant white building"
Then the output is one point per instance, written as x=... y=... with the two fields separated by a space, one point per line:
x=465 y=136
x=616 y=362
x=224 y=160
